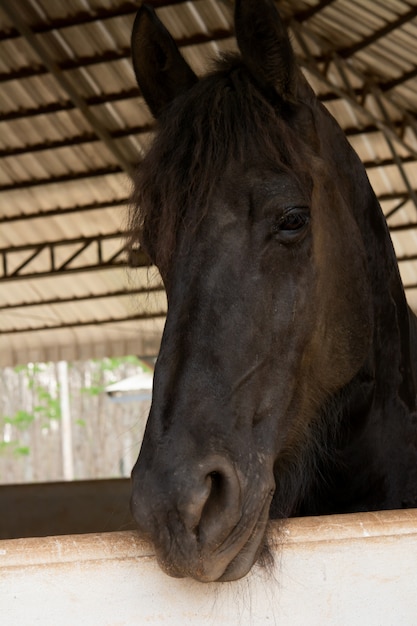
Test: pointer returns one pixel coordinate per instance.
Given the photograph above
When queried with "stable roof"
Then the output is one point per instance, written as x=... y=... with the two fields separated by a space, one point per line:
x=73 y=125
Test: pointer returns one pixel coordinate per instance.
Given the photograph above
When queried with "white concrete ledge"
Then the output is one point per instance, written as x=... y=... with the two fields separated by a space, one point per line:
x=342 y=570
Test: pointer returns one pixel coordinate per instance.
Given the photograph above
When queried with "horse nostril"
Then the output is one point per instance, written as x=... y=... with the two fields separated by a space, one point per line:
x=220 y=511
x=217 y=497
x=216 y=483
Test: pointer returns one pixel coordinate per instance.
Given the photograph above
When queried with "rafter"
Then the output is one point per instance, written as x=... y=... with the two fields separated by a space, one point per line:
x=93 y=322
x=355 y=97
x=111 y=56
x=73 y=177
x=129 y=94
x=120 y=293
x=397 y=159
x=397 y=208
x=56 y=107
x=65 y=178
x=77 y=140
x=87 y=138
x=407 y=258
x=392 y=136
x=15 y=16
x=387 y=85
x=58 y=211
x=68 y=105
x=305 y=15
x=403 y=227
x=84 y=139
x=100 y=14
x=388 y=28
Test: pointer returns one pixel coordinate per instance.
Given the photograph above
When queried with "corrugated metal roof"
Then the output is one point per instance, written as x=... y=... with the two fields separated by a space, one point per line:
x=73 y=125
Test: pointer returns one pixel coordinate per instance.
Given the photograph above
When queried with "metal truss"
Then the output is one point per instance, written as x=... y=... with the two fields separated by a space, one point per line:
x=68 y=256
x=86 y=254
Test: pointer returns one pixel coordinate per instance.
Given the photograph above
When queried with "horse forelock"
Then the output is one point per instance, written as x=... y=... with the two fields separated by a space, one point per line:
x=224 y=117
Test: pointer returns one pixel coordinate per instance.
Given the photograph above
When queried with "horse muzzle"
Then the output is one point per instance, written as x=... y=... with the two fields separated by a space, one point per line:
x=206 y=522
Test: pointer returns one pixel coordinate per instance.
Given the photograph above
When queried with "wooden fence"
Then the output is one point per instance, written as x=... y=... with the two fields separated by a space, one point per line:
x=104 y=436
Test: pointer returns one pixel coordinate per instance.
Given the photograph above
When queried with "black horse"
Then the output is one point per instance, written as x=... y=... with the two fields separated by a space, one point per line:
x=286 y=380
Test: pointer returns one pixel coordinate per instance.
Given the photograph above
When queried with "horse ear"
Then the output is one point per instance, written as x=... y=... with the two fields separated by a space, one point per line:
x=161 y=72
x=265 y=46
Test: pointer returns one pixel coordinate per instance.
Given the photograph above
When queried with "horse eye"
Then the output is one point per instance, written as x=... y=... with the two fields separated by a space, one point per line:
x=291 y=225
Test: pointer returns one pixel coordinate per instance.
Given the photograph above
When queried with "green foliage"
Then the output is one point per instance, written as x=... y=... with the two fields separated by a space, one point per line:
x=22 y=451
x=14 y=447
x=111 y=364
x=49 y=407
x=21 y=419
x=5 y=446
x=30 y=369
x=93 y=390
x=108 y=364
x=46 y=407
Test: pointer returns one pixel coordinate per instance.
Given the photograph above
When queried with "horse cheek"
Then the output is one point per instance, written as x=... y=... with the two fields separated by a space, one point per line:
x=344 y=328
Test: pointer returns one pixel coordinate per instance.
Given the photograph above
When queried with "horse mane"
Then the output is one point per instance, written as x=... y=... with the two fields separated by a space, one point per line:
x=224 y=116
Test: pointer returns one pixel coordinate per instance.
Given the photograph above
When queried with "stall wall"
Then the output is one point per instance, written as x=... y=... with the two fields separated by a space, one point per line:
x=358 y=570
x=64 y=508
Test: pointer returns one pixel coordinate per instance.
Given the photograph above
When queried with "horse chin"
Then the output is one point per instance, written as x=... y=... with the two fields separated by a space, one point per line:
x=230 y=561
x=248 y=555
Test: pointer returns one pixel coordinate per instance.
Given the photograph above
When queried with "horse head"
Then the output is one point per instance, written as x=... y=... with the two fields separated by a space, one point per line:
x=255 y=209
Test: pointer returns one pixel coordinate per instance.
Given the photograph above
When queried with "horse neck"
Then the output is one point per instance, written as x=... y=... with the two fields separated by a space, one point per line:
x=394 y=345
x=368 y=426
x=394 y=339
